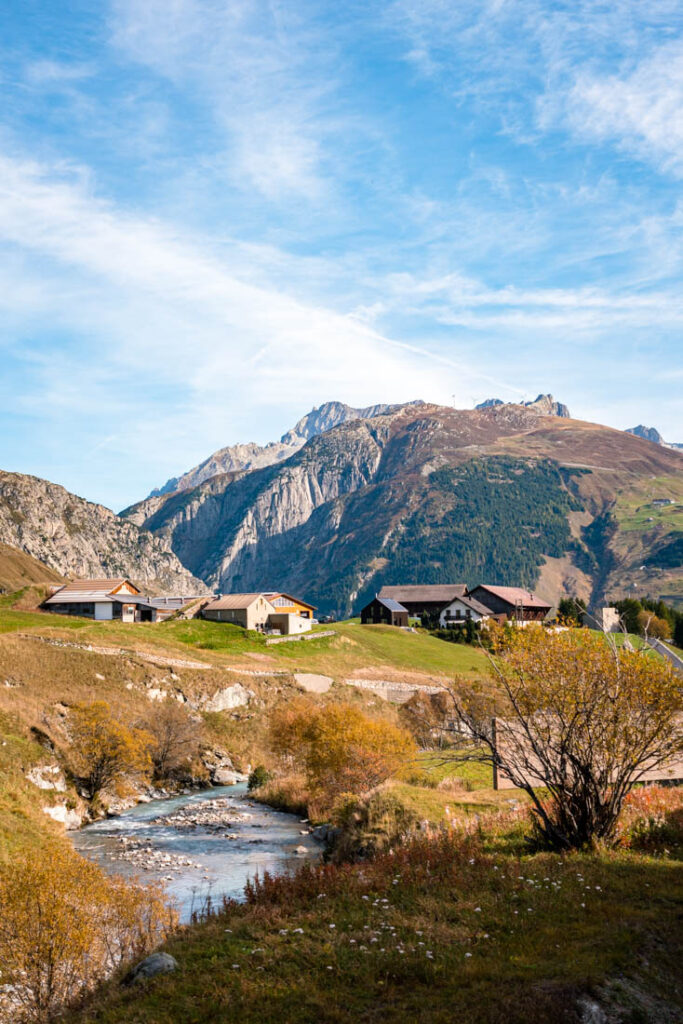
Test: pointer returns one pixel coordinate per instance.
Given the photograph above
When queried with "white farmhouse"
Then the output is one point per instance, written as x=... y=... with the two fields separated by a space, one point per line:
x=462 y=610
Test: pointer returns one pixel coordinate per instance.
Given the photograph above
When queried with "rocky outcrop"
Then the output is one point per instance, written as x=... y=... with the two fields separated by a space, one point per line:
x=240 y=457
x=545 y=405
x=652 y=434
x=75 y=537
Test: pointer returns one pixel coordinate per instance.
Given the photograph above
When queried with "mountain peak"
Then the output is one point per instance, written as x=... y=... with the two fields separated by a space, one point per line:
x=543 y=404
x=238 y=457
x=647 y=433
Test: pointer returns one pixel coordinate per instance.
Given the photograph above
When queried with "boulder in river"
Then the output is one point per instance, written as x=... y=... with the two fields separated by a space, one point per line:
x=157 y=963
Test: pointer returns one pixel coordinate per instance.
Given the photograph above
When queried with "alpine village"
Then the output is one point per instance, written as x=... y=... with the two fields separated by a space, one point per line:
x=379 y=722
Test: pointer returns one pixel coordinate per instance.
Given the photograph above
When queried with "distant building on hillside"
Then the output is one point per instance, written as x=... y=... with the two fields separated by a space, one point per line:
x=106 y=599
x=418 y=599
x=512 y=603
x=384 y=611
x=462 y=610
x=606 y=619
x=251 y=611
x=265 y=611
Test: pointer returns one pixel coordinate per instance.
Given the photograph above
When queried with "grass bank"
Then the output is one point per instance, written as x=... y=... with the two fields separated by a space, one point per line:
x=441 y=930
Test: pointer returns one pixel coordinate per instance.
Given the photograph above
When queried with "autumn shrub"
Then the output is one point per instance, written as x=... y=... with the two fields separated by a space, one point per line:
x=105 y=752
x=652 y=819
x=650 y=624
x=574 y=720
x=339 y=749
x=286 y=793
x=65 y=926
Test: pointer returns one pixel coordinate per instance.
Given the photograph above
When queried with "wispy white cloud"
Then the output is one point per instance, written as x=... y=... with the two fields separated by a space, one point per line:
x=167 y=313
x=639 y=110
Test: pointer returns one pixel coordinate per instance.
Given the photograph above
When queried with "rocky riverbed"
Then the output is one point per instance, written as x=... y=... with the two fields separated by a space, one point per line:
x=201 y=845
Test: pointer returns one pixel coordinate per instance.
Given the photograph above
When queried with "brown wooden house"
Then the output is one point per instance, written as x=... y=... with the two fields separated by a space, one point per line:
x=384 y=611
x=417 y=599
x=511 y=603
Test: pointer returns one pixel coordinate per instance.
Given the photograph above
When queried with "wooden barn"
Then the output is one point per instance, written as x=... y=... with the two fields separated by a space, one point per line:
x=418 y=598
x=512 y=603
x=384 y=611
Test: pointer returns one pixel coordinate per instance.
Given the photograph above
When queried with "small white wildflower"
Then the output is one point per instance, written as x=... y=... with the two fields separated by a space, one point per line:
x=477 y=910
x=332 y=926
x=228 y=931
x=297 y=931
x=468 y=954
x=235 y=967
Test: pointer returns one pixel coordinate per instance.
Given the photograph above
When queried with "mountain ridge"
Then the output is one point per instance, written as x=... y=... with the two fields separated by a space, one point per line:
x=364 y=501
x=249 y=455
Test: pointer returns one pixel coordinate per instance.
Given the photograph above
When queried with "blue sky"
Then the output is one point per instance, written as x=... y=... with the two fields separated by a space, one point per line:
x=215 y=215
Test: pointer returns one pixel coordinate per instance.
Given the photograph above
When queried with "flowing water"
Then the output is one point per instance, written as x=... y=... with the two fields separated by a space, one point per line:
x=204 y=844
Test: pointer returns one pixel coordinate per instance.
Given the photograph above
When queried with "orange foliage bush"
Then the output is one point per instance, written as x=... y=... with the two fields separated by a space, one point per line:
x=65 y=926
x=339 y=749
x=104 y=751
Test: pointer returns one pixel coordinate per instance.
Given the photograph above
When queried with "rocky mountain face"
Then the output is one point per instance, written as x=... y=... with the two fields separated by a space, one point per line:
x=249 y=456
x=544 y=404
x=424 y=493
x=75 y=537
x=652 y=434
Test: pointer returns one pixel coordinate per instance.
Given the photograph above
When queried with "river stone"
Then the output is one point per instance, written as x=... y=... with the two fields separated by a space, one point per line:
x=157 y=963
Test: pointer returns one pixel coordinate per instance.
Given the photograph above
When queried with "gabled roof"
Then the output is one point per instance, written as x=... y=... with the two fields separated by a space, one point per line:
x=471 y=602
x=270 y=594
x=515 y=595
x=439 y=592
x=91 y=590
x=234 y=601
x=391 y=605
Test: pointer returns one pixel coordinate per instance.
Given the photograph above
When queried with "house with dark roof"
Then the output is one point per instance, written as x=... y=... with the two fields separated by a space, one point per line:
x=384 y=611
x=511 y=603
x=419 y=598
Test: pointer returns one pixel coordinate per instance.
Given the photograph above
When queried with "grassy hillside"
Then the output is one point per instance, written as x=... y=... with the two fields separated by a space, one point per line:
x=352 y=649
x=50 y=662
x=17 y=569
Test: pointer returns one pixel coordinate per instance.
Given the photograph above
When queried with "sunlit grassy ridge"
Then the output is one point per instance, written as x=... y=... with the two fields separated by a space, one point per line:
x=352 y=647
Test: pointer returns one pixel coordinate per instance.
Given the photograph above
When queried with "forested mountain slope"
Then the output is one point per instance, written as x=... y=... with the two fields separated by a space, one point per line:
x=429 y=493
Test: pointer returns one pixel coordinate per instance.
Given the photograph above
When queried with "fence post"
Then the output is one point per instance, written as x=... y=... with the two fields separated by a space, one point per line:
x=495 y=765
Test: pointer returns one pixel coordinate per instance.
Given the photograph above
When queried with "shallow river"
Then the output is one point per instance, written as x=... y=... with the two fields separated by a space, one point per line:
x=213 y=842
